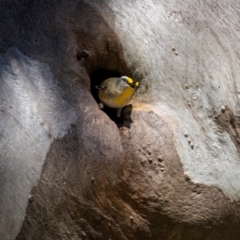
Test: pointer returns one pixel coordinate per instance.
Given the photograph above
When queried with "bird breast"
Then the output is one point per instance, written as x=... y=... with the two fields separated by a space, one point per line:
x=118 y=100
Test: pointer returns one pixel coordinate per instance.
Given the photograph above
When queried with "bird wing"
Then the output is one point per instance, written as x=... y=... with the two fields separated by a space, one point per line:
x=103 y=85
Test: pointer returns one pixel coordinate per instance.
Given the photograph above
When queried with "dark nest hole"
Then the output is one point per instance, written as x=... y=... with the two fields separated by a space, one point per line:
x=97 y=78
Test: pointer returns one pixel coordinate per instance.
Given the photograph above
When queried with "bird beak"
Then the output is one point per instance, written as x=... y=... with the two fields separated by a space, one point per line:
x=135 y=84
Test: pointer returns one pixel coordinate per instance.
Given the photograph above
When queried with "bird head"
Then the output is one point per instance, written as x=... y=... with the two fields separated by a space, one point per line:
x=130 y=81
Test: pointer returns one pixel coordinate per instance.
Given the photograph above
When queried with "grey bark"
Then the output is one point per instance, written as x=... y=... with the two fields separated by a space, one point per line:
x=68 y=172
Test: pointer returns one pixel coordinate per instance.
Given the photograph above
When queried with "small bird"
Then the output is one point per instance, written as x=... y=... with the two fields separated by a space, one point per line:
x=117 y=92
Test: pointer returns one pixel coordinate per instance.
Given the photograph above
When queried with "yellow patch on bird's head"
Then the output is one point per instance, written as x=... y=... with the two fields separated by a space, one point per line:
x=137 y=84
x=129 y=80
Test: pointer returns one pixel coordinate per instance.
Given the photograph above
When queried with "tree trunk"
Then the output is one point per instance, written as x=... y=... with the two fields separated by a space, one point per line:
x=68 y=171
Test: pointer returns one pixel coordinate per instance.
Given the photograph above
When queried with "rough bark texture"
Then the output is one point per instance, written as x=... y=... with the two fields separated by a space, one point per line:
x=68 y=172
x=231 y=124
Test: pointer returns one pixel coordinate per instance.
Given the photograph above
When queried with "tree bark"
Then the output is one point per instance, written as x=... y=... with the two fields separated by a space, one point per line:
x=67 y=171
